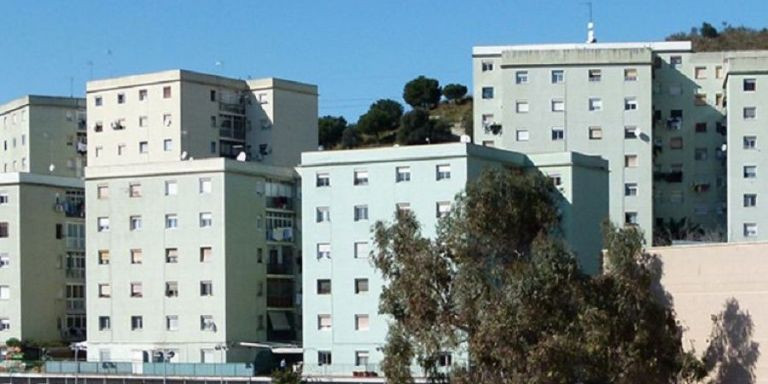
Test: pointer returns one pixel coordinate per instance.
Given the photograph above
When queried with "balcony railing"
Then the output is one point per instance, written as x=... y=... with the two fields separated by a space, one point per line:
x=280 y=301
x=280 y=268
x=75 y=304
x=280 y=202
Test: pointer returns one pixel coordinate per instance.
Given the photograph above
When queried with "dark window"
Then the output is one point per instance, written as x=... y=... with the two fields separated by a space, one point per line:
x=323 y=286
x=3 y=229
x=59 y=231
x=213 y=95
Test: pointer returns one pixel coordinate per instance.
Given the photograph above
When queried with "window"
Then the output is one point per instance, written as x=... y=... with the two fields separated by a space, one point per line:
x=595 y=104
x=137 y=256
x=442 y=208
x=750 y=230
x=361 y=286
x=323 y=214
x=558 y=76
x=206 y=219
x=361 y=177
x=168 y=145
x=630 y=74
x=750 y=200
x=595 y=75
x=213 y=95
x=120 y=98
x=700 y=99
x=105 y=290
x=521 y=77
x=323 y=357
x=630 y=189
x=104 y=323
x=323 y=286
x=143 y=121
x=206 y=254
x=98 y=126
x=166 y=92
x=750 y=113
x=171 y=188
x=207 y=324
x=323 y=250
x=630 y=218
x=120 y=149
x=102 y=192
x=134 y=190
x=136 y=290
x=5 y=292
x=522 y=135
x=206 y=288
x=630 y=161
x=323 y=180
x=487 y=92
x=750 y=142
x=402 y=207
x=143 y=147
x=701 y=127
x=719 y=100
x=700 y=72
x=630 y=104
x=595 y=133
x=361 y=322
x=171 y=221
x=675 y=61
x=558 y=133
x=361 y=358
x=676 y=142
x=402 y=174
x=171 y=255
x=98 y=101
x=750 y=171
x=445 y=359
x=361 y=250
x=205 y=185
x=5 y=260
x=3 y=198
x=630 y=132
x=102 y=224
x=361 y=212
x=142 y=94
x=750 y=85
x=443 y=171
x=172 y=323
x=700 y=154
x=558 y=105
x=719 y=72
x=167 y=121
x=5 y=323
x=486 y=66
x=137 y=323
x=521 y=107
x=324 y=322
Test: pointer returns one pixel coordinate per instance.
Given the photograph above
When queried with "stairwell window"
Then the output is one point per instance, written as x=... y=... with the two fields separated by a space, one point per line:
x=172 y=323
x=206 y=254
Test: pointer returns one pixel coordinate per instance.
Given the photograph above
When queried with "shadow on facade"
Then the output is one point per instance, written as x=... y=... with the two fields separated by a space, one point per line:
x=732 y=354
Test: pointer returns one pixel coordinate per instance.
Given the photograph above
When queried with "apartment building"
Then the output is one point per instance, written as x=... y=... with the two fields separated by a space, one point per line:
x=42 y=234
x=193 y=251
x=345 y=192
x=746 y=91
x=655 y=111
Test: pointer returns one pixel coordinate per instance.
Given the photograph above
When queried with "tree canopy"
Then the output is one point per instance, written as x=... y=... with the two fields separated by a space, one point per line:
x=497 y=283
x=331 y=129
x=417 y=127
x=454 y=92
x=729 y=38
x=383 y=116
x=422 y=92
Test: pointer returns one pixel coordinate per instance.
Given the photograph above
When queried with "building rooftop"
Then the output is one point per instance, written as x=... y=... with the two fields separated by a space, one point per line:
x=661 y=46
x=215 y=164
x=56 y=101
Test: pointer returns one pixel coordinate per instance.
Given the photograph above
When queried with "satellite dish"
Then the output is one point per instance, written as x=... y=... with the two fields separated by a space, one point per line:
x=466 y=139
x=191 y=158
x=241 y=156
x=184 y=155
x=724 y=147
x=51 y=167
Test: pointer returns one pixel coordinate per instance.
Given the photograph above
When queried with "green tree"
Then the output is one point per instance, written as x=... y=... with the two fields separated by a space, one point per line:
x=286 y=376
x=422 y=92
x=382 y=117
x=330 y=130
x=497 y=270
x=416 y=127
x=454 y=92
x=708 y=31
x=350 y=137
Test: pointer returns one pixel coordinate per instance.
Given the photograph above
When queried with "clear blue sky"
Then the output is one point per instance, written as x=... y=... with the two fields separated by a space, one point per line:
x=356 y=51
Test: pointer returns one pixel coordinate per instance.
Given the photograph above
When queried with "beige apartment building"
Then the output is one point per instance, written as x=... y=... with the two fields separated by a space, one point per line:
x=193 y=251
x=42 y=212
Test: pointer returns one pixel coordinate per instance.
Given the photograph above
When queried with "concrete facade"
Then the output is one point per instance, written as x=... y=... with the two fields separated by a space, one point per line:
x=345 y=192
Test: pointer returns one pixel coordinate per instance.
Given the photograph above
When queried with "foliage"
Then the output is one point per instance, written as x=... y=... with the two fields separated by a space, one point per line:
x=417 y=127
x=383 y=116
x=665 y=232
x=286 y=376
x=467 y=121
x=13 y=342
x=732 y=354
x=454 y=92
x=350 y=137
x=331 y=130
x=730 y=38
x=422 y=92
x=498 y=283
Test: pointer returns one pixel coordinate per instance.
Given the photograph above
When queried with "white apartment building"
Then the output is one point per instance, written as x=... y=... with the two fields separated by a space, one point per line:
x=192 y=253
x=42 y=234
x=345 y=192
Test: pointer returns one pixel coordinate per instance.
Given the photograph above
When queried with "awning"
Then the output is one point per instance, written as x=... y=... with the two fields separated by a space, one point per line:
x=279 y=321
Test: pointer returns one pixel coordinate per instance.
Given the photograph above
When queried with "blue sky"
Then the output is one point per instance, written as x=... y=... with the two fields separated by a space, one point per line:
x=356 y=51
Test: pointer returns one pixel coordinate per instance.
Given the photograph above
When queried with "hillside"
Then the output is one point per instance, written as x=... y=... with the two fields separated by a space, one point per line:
x=459 y=116
x=708 y=38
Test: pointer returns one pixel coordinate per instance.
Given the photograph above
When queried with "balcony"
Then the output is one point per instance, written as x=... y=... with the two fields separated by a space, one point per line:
x=280 y=234
x=233 y=127
x=75 y=304
x=280 y=301
x=280 y=202
x=74 y=273
x=72 y=205
x=285 y=268
x=670 y=177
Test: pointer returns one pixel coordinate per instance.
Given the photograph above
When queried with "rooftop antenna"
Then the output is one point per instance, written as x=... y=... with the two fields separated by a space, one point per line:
x=590 y=26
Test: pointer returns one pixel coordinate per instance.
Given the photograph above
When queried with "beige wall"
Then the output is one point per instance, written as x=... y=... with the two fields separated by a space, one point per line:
x=701 y=279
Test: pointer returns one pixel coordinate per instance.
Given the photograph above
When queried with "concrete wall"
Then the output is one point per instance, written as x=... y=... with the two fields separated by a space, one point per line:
x=702 y=278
